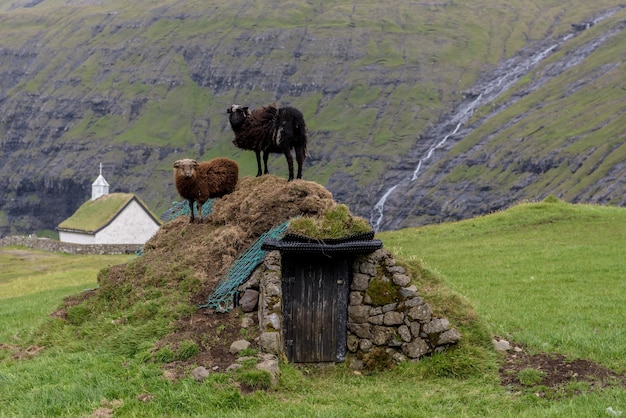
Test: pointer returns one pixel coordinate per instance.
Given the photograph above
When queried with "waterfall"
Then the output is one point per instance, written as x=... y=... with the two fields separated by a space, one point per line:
x=505 y=76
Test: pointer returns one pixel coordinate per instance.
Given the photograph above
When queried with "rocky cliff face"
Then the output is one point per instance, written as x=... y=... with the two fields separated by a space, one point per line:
x=137 y=86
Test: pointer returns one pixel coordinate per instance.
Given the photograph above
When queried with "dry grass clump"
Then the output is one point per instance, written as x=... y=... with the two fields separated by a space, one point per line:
x=260 y=203
x=205 y=251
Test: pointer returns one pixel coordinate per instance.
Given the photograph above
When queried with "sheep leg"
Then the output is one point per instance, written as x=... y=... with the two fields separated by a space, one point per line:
x=289 y=163
x=258 y=163
x=300 y=156
x=199 y=205
x=266 y=154
x=191 y=217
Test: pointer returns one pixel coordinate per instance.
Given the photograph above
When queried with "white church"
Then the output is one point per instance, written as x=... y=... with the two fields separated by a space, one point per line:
x=109 y=218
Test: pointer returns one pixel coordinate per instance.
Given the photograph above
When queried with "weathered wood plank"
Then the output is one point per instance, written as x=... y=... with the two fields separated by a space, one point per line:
x=315 y=308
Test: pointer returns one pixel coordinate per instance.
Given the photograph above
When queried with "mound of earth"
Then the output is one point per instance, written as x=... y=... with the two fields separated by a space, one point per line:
x=195 y=256
x=204 y=251
x=236 y=222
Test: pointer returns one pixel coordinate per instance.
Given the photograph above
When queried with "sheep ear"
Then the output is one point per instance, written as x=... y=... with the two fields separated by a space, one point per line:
x=195 y=163
x=229 y=110
x=177 y=164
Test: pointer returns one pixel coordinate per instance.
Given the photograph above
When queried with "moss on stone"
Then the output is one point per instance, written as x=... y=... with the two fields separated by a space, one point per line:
x=377 y=359
x=382 y=291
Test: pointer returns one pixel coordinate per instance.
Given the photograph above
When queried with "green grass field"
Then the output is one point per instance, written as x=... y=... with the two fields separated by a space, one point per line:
x=548 y=276
x=32 y=284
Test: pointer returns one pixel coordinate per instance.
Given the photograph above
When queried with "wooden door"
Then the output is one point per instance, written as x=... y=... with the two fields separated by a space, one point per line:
x=315 y=308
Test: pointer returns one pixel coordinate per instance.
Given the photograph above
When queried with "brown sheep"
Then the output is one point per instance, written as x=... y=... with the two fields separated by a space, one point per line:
x=208 y=179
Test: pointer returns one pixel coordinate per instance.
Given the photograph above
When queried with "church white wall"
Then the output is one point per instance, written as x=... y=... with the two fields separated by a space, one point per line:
x=75 y=238
x=132 y=226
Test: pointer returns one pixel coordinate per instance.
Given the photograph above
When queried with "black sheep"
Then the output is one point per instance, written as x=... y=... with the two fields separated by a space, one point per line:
x=270 y=129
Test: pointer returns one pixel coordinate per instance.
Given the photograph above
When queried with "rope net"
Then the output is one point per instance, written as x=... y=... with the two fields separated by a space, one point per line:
x=182 y=208
x=221 y=300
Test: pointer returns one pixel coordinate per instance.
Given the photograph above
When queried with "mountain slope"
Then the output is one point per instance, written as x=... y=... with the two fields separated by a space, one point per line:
x=557 y=130
x=138 y=85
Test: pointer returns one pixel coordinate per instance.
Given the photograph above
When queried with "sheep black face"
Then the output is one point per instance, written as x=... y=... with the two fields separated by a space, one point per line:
x=237 y=115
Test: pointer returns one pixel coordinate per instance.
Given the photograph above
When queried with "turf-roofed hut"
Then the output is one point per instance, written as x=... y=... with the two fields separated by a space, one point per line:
x=343 y=293
x=116 y=218
x=230 y=268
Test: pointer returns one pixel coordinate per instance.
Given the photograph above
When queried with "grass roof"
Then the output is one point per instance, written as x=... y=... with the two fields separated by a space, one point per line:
x=94 y=214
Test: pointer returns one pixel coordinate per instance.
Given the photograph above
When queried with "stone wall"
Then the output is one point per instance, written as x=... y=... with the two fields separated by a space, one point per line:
x=70 y=248
x=385 y=311
x=263 y=293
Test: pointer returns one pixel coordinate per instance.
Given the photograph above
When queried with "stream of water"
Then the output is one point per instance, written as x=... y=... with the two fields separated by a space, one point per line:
x=504 y=77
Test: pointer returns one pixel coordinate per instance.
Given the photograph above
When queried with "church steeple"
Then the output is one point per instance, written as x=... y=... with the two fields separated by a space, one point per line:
x=99 y=187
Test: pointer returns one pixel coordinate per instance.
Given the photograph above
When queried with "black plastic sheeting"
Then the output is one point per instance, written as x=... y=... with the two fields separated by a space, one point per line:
x=322 y=247
x=364 y=236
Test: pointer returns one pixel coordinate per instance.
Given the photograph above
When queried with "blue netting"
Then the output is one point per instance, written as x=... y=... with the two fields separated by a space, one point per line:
x=222 y=298
x=182 y=208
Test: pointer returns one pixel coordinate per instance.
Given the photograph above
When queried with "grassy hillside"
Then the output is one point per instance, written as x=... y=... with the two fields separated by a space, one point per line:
x=548 y=135
x=548 y=276
x=137 y=85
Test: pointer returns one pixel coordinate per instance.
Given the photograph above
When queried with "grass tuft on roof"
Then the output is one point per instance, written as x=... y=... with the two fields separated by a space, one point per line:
x=94 y=214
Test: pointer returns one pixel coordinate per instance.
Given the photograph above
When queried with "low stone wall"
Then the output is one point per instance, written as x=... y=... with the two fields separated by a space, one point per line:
x=70 y=248
x=263 y=293
x=385 y=311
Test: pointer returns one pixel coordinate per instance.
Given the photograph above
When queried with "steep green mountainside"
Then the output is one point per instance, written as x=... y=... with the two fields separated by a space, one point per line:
x=558 y=129
x=138 y=85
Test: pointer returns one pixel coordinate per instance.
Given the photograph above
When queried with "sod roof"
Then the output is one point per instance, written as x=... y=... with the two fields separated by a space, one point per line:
x=94 y=215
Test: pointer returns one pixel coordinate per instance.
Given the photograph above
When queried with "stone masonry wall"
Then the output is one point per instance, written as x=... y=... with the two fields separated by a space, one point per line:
x=69 y=248
x=263 y=292
x=384 y=310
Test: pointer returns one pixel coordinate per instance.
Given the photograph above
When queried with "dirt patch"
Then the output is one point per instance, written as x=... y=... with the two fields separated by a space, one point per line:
x=213 y=333
x=554 y=375
x=25 y=254
x=20 y=353
x=70 y=301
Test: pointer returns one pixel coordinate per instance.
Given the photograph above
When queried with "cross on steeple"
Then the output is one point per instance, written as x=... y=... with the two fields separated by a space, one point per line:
x=99 y=187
